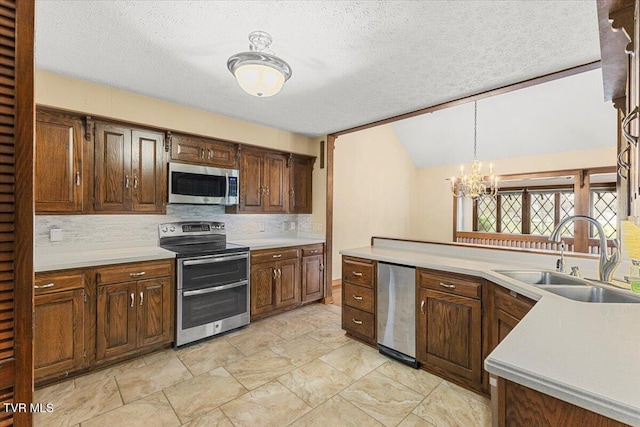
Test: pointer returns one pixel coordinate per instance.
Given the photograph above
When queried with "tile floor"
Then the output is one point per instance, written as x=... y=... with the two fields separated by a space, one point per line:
x=294 y=369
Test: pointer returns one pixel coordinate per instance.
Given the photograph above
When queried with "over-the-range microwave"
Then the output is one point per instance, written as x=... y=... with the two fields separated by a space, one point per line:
x=202 y=185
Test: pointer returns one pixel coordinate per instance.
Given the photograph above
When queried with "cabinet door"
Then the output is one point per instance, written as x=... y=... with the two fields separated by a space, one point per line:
x=288 y=283
x=58 y=344
x=276 y=178
x=312 y=277
x=188 y=149
x=221 y=154
x=147 y=163
x=154 y=301
x=300 y=185
x=112 y=168
x=263 y=277
x=251 y=184
x=449 y=333
x=58 y=169
x=116 y=320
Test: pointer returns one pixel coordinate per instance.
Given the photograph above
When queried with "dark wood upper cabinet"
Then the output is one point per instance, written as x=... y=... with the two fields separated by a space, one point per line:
x=58 y=169
x=251 y=181
x=300 y=185
x=210 y=152
x=276 y=178
x=129 y=170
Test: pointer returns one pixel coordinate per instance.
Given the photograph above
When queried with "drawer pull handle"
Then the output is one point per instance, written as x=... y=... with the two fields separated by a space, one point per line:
x=48 y=285
x=357 y=297
x=278 y=256
x=141 y=297
x=357 y=274
x=142 y=273
x=422 y=307
x=357 y=322
x=444 y=285
x=314 y=251
x=132 y=299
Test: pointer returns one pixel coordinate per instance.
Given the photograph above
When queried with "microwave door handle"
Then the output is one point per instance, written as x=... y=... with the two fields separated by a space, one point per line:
x=215 y=289
x=211 y=260
x=226 y=194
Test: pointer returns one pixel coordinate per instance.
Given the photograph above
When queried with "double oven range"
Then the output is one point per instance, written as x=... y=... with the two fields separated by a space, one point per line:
x=212 y=279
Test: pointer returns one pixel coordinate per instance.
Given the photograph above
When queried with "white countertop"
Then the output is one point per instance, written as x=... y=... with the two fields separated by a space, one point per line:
x=275 y=242
x=587 y=354
x=50 y=258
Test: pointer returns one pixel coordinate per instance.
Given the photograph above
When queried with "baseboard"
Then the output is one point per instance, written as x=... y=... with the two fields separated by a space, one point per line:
x=336 y=283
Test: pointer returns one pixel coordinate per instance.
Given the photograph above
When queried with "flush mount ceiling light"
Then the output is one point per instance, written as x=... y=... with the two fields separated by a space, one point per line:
x=259 y=72
x=475 y=184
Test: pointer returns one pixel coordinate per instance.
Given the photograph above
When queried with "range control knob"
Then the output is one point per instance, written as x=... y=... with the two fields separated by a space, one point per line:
x=165 y=229
x=172 y=228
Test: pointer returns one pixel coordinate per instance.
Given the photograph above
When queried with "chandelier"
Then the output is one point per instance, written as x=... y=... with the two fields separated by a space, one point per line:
x=259 y=72
x=474 y=184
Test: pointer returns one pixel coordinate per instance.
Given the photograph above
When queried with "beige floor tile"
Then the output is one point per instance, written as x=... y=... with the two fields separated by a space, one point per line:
x=291 y=327
x=336 y=412
x=354 y=359
x=44 y=395
x=414 y=421
x=270 y=405
x=80 y=404
x=138 y=383
x=210 y=355
x=384 y=399
x=213 y=418
x=161 y=356
x=199 y=395
x=333 y=308
x=109 y=372
x=315 y=382
x=468 y=393
x=301 y=350
x=416 y=379
x=255 y=340
x=323 y=318
x=153 y=410
x=258 y=369
x=332 y=336
x=446 y=406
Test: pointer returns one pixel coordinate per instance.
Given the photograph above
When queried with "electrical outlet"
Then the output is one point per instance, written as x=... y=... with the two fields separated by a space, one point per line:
x=292 y=225
x=55 y=234
x=261 y=226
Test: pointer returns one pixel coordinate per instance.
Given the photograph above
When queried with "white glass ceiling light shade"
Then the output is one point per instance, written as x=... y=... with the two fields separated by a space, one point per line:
x=258 y=72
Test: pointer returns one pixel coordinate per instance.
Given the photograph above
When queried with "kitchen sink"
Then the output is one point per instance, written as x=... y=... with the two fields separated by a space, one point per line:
x=539 y=277
x=592 y=294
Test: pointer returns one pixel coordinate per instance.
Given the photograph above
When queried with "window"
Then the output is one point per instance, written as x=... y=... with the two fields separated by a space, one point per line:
x=603 y=207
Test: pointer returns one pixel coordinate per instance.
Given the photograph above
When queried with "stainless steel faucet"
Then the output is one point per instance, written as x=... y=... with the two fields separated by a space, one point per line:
x=607 y=264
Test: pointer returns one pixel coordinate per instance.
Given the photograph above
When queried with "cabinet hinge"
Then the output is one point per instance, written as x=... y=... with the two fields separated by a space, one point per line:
x=85 y=298
x=84 y=353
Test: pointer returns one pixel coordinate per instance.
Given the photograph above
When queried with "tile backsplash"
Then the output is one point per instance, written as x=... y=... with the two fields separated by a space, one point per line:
x=92 y=229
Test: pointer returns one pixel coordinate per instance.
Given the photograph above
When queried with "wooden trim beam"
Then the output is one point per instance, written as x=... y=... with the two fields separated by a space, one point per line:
x=482 y=95
x=328 y=269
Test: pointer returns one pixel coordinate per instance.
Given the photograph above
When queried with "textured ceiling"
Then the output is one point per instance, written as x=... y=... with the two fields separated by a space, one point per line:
x=353 y=62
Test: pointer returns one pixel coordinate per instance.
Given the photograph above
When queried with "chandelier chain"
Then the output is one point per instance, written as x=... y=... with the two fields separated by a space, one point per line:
x=475 y=130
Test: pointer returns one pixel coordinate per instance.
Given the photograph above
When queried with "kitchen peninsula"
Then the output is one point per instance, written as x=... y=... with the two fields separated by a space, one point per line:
x=588 y=360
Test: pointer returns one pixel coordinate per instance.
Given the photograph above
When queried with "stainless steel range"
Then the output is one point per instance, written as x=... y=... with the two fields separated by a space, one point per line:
x=212 y=279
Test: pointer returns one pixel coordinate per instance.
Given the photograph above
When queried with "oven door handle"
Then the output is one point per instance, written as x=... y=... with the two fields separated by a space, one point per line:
x=211 y=260
x=216 y=289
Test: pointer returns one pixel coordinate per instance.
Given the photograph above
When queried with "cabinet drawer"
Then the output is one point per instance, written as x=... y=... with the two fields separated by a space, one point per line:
x=45 y=283
x=129 y=272
x=312 y=250
x=359 y=322
x=456 y=284
x=359 y=297
x=274 y=255
x=358 y=271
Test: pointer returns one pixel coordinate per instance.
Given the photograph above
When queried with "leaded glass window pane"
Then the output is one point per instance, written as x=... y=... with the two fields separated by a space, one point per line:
x=567 y=209
x=487 y=219
x=542 y=213
x=603 y=209
x=511 y=213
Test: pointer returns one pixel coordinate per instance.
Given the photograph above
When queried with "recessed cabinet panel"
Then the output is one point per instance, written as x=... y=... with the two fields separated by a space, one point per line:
x=112 y=168
x=58 y=164
x=147 y=169
x=251 y=182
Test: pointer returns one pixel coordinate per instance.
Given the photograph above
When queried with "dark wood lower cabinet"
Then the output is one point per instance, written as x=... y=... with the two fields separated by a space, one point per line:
x=312 y=277
x=155 y=320
x=515 y=405
x=287 y=283
x=59 y=332
x=116 y=322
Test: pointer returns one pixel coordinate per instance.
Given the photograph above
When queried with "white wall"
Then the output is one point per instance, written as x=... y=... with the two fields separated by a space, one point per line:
x=374 y=185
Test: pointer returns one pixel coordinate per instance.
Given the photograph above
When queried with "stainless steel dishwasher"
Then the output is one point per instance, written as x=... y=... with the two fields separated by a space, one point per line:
x=396 y=315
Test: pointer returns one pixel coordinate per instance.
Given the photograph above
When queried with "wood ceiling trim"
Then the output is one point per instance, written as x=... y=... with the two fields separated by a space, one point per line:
x=493 y=92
